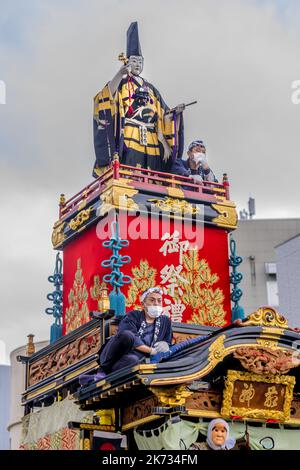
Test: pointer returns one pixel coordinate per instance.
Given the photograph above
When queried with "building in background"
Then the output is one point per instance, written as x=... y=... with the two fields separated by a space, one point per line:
x=288 y=276
x=4 y=397
x=4 y=404
x=256 y=241
x=16 y=410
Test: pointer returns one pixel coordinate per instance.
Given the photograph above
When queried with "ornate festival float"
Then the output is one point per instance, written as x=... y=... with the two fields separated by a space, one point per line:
x=139 y=225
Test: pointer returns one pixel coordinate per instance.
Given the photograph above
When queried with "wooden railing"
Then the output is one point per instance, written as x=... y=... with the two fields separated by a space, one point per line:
x=142 y=178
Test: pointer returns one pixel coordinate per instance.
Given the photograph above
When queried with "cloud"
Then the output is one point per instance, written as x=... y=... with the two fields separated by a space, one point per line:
x=237 y=58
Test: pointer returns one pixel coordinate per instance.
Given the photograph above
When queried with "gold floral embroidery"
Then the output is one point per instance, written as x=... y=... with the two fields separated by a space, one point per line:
x=143 y=277
x=77 y=313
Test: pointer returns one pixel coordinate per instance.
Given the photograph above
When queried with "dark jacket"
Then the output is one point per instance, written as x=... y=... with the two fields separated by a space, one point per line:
x=133 y=321
x=181 y=167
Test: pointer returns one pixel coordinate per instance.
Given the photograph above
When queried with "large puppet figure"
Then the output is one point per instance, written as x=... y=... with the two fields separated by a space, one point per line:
x=132 y=119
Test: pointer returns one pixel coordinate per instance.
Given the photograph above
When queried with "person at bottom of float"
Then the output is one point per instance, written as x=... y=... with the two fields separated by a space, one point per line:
x=142 y=333
x=218 y=437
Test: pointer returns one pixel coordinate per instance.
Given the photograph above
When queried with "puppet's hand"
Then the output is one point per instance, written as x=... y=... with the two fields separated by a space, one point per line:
x=180 y=108
x=125 y=70
x=167 y=152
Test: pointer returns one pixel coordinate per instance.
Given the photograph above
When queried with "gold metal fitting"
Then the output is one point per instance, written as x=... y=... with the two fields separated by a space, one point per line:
x=30 y=345
x=122 y=57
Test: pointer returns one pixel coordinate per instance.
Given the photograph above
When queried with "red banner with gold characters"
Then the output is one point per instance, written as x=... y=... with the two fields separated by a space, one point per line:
x=192 y=270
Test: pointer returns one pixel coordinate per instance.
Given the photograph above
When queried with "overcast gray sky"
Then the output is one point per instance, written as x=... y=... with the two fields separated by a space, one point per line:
x=238 y=58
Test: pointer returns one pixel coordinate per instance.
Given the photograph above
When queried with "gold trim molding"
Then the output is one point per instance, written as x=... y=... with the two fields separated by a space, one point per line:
x=58 y=236
x=169 y=204
x=174 y=396
x=175 y=192
x=80 y=218
x=140 y=422
x=217 y=351
x=267 y=343
x=266 y=316
x=119 y=195
x=227 y=214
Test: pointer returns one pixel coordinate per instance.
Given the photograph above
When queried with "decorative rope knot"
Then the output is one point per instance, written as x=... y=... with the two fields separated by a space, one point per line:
x=235 y=279
x=56 y=298
x=116 y=278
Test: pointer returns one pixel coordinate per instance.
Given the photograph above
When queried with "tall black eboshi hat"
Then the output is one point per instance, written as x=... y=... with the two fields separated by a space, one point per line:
x=133 y=43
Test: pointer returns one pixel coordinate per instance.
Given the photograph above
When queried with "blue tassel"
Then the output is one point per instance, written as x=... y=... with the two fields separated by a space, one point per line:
x=113 y=300
x=55 y=332
x=238 y=313
x=117 y=303
x=121 y=304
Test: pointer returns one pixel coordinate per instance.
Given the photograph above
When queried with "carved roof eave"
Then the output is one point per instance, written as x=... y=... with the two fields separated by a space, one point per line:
x=194 y=363
x=197 y=362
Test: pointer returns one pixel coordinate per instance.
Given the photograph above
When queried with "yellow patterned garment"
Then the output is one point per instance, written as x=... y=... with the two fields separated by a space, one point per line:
x=130 y=127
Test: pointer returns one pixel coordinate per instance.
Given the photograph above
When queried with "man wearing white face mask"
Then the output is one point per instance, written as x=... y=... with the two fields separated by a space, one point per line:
x=196 y=166
x=142 y=333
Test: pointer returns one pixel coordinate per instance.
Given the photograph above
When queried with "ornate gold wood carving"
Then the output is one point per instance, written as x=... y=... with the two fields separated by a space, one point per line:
x=266 y=316
x=56 y=385
x=228 y=215
x=30 y=345
x=119 y=195
x=86 y=444
x=83 y=203
x=172 y=396
x=175 y=205
x=180 y=337
x=267 y=360
x=267 y=343
x=80 y=218
x=100 y=170
x=175 y=192
x=59 y=360
x=106 y=417
x=257 y=396
x=62 y=200
x=217 y=351
x=139 y=411
x=58 y=235
x=205 y=400
x=295 y=409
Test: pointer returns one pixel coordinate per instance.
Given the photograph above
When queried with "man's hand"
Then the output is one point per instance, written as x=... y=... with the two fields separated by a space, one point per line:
x=197 y=179
x=153 y=352
x=144 y=349
x=161 y=346
x=204 y=163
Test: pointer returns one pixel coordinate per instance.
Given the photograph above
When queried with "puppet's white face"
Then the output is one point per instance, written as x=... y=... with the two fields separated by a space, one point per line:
x=218 y=434
x=136 y=63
